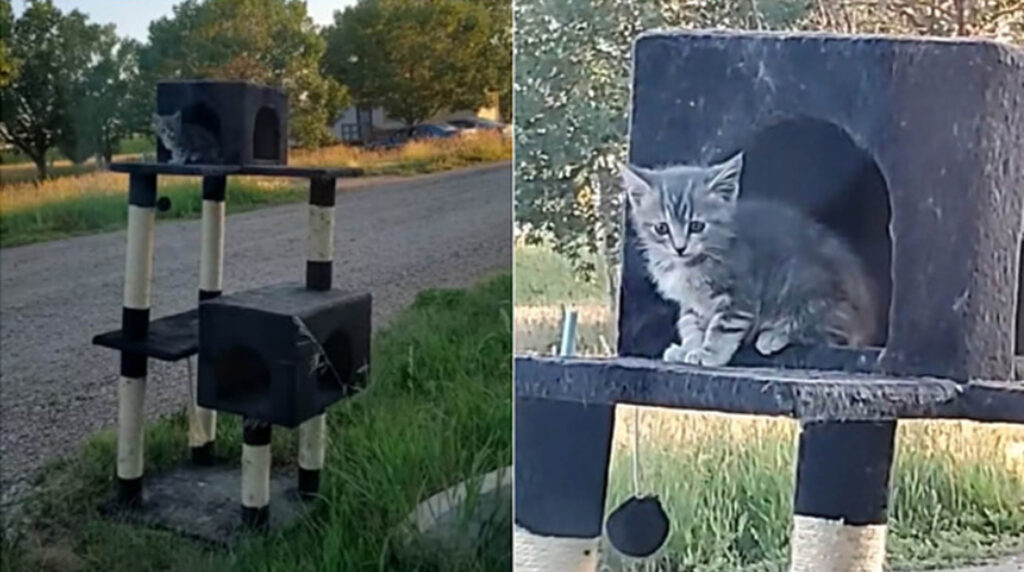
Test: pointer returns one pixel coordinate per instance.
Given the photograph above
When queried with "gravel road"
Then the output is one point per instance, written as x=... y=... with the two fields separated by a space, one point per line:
x=393 y=238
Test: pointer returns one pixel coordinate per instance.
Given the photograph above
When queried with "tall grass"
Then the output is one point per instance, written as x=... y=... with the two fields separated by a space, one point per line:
x=95 y=202
x=726 y=481
x=438 y=410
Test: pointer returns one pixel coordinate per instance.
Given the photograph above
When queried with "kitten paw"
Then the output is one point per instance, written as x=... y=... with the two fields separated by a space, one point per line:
x=674 y=352
x=707 y=359
x=770 y=342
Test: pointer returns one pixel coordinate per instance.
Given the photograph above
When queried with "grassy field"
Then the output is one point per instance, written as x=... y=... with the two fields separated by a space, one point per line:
x=438 y=410
x=15 y=167
x=726 y=480
x=95 y=202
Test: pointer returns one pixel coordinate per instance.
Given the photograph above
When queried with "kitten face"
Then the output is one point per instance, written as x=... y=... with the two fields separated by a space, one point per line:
x=683 y=212
x=167 y=128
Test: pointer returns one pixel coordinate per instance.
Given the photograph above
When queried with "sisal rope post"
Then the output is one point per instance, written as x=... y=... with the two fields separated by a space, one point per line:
x=319 y=273
x=842 y=496
x=256 y=474
x=537 y=553
x=202 y=422
x=135 y=325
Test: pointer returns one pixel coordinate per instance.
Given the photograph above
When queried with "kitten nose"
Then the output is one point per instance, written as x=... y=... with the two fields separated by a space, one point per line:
x=680 y=250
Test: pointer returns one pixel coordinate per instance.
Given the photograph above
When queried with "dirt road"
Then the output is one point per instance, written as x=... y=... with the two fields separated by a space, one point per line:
x=393 y=239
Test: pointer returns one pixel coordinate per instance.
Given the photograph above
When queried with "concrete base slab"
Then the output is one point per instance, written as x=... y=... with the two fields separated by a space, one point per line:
x=204 y=502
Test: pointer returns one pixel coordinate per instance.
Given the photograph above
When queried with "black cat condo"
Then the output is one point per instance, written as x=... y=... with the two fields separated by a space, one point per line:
x=910 y=149
x=278 y=355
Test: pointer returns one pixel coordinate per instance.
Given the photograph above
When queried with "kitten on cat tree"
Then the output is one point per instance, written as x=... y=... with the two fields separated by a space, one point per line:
x=744 y=270
x=187 y=142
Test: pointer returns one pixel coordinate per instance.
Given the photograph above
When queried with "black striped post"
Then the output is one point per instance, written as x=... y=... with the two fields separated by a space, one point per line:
x=562 y=450
x=202 y=422
x=319 y=271
x=842 y=496
x=135 y=324
x=255 y=474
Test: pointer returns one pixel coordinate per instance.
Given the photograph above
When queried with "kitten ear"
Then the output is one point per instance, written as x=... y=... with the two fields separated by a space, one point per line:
x=635 y=186
x=725 y=180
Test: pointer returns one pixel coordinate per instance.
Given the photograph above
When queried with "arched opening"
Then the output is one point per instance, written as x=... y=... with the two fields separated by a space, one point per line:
x=266 y=136
x=200 y=114
x=242 y=376
x=817 y=167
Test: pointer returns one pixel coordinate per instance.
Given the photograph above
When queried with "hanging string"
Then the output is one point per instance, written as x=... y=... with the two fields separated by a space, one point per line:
x=636 y=451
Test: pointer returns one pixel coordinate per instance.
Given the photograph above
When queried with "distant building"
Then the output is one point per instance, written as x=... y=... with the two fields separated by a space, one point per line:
x=360 y=124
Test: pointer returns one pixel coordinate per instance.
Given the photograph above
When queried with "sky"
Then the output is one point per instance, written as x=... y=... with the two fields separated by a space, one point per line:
x=132 y=17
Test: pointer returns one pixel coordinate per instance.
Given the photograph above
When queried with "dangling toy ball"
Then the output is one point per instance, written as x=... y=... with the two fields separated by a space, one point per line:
x=638 y=527
x=163 y=204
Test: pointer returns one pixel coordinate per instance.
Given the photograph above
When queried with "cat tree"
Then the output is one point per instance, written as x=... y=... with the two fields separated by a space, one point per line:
x=911 y=149
x=275 y=355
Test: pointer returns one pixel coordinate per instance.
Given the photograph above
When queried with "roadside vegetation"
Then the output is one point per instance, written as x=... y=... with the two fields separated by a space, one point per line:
x=96 y=201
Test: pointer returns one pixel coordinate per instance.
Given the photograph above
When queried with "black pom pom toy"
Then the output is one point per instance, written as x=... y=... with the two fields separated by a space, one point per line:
x=638 y=527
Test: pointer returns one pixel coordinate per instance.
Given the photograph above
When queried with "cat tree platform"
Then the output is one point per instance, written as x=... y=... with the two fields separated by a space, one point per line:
x=225 y=170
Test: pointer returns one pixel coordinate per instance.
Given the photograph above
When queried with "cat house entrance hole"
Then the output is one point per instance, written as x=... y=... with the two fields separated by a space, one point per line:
x=816 y=166
x=242 y=375
x=199 y=113
x=266 y=135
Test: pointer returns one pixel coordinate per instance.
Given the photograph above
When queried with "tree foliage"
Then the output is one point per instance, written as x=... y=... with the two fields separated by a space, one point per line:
x=572 y=79
x=56 y=55
x=8 y=65
x=417 y=58
x=267 y=41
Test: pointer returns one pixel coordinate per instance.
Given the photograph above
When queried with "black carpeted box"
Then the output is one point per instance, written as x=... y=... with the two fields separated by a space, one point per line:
x=261 y=352
x=913 y=149
x=250 y=121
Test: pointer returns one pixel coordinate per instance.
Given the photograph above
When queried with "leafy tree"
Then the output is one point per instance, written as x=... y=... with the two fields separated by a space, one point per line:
x=8 y=65
x=114 y=103
x=55 y=53
x=417 y=58
x=266 y=41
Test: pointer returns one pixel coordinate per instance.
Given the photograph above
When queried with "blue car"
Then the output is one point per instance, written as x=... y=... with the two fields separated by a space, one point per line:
x=415 y=133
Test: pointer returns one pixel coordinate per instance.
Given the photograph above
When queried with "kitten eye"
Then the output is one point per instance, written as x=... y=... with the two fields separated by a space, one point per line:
x=661 y=228
x=697 y=226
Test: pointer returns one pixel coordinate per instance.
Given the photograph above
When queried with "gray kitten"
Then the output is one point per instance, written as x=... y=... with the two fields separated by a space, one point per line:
x=187 y=143
x=744 y=270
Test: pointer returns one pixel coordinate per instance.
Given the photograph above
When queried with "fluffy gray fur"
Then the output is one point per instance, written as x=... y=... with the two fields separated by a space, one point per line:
x=744 y=270
x=187 y=143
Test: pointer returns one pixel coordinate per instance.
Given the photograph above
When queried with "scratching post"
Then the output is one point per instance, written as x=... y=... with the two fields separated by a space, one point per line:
x=842 y=497
x=561 y=477
x=319 y=271
x=135 y=324
x=255 y=474
x=202 y=422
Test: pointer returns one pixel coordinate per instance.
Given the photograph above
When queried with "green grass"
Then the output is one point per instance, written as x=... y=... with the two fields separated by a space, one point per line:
x=543 y=277
x=438 y=411
x=726 y=481
x=89 y=214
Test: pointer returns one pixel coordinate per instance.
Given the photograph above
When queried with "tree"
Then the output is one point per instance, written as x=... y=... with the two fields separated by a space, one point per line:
x=265 y=41
x=114 y=102
x=54 y=52
x=8 y=65
x=416 y=58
